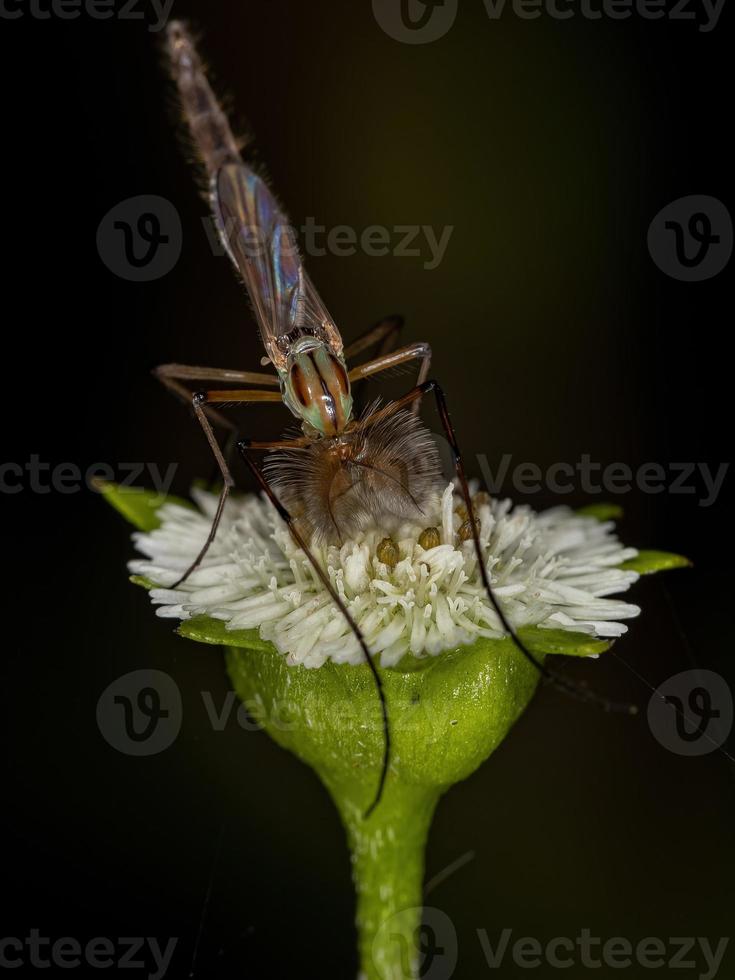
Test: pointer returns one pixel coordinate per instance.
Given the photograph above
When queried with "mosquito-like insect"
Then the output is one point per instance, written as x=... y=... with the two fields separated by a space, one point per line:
x=342 y=473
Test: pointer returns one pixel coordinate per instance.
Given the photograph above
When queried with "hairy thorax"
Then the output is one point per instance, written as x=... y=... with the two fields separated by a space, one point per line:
x=377 y=474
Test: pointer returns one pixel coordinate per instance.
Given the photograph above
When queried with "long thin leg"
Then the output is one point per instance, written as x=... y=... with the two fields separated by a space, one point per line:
x=191 y=372
x=171 y=376
x=300 y=442
x=184 y=394
x=243 y=447
x=392 y=407
x=418 y=351
x=378 y=340
x=385 y=331
x=199 y=402
x=579 y=692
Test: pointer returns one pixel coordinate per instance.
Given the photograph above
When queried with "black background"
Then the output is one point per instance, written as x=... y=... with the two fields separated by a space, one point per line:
x=548 y=146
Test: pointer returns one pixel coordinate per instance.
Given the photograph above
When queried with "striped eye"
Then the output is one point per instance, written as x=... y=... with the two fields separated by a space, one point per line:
x=298 y=386
x=341 y=374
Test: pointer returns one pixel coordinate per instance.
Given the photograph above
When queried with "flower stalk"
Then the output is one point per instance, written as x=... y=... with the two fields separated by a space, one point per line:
x=387 y=852
x=448 y=713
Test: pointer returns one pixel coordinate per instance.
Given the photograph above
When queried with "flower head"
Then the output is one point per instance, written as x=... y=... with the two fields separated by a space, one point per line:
x=417 y=593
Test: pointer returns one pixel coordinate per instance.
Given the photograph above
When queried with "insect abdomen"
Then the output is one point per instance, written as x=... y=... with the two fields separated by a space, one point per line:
x=213 y=138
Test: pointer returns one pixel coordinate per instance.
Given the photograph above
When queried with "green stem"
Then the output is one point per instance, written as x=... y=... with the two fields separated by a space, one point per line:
x=388 y=871
x=447 y=714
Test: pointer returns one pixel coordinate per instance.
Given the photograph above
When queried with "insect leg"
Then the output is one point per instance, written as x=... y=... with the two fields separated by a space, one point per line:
x=375 y=342
x=418 y=351
x=192 y=372
x=576 y=690
x=172 y=376
x=199 y=403
x=299 y=443
x=243 y=447
x=386 y=331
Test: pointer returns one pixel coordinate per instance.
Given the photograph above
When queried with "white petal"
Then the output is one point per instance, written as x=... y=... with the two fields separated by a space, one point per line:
x=554 y=569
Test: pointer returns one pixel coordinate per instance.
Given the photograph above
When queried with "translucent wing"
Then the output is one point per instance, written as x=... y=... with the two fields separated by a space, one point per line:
x=262 y=244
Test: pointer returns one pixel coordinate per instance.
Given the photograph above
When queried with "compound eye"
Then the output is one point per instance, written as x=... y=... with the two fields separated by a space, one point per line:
x=298 y=386
x=341 y=375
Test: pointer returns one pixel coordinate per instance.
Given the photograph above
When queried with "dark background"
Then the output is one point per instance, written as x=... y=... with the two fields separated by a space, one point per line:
x=549 y=146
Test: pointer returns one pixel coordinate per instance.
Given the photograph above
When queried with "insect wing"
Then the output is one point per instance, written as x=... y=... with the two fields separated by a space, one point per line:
x=313 y=316
x=262 y=245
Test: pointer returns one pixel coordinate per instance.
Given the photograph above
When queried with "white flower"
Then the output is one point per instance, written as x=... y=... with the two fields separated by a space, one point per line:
x=552 y=569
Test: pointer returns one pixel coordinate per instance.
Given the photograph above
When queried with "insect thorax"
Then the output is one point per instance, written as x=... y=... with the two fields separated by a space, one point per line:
x=315 y=386
x=368 y=476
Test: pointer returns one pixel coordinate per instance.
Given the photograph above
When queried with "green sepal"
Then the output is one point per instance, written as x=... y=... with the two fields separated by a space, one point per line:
x=601 y=512
x=568 y=643
x=136 y=504
x=648 y=562
x=645 y=562
x=205 y=629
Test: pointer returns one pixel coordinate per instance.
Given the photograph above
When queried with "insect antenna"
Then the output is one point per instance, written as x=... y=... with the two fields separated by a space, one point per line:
x=242 y=447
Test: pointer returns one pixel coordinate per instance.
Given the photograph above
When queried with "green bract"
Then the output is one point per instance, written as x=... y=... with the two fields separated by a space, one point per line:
x=447 y=714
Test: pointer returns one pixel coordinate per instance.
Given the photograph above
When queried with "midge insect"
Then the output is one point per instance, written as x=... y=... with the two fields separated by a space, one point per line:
x=342 y=473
